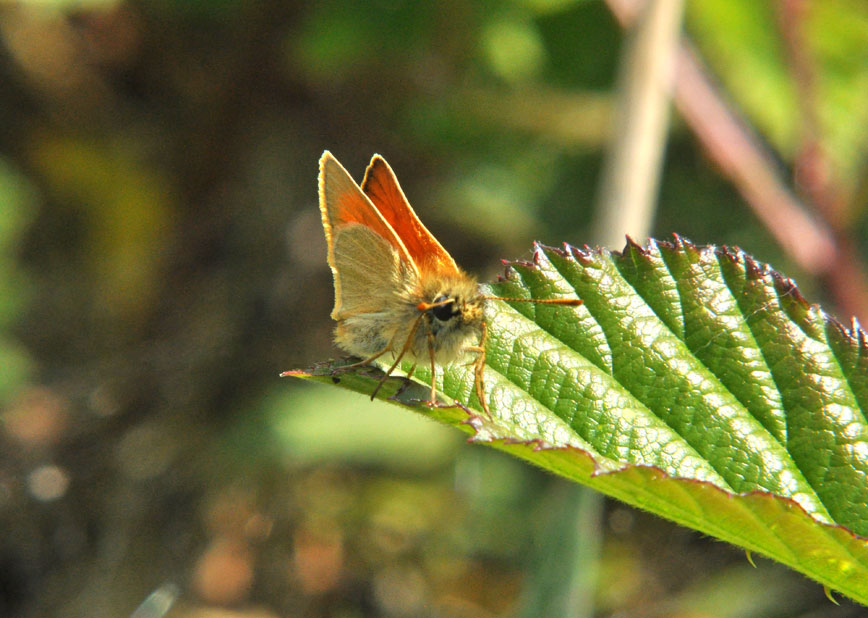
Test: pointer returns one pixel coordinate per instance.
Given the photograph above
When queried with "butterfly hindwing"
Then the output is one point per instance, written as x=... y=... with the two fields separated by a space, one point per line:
x=382 y=188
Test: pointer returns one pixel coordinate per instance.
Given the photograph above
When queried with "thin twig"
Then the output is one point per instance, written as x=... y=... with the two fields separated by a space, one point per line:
x=631 y=175
x=812 y=168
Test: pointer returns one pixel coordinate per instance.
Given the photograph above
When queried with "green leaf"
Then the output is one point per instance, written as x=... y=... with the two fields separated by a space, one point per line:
x=695 y=383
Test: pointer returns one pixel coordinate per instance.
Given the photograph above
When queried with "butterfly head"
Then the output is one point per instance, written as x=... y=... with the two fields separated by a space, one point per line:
x=452 y=311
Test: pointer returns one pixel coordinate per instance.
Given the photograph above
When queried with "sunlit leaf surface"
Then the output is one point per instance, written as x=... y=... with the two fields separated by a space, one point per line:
x=692 y=382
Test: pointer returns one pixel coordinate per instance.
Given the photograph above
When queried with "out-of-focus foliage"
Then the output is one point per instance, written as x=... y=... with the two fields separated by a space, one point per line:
x=162 y=260
x=17 y=200
x=743 y=43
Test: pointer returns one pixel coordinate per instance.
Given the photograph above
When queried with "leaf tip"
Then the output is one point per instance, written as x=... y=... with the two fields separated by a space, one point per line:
x=582 y=255
x=787 y=287
x=731 y=254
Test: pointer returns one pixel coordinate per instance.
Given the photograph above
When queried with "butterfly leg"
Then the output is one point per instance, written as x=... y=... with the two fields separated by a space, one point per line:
x=479 y=370
x=361 y=363
x=433 y=399
x=404 y=350
x=367 y=361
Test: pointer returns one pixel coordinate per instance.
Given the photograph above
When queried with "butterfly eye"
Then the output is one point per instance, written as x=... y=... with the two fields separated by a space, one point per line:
x=445 y=312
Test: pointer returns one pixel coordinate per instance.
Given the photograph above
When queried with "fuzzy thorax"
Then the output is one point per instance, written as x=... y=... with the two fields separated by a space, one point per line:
x=447 y=328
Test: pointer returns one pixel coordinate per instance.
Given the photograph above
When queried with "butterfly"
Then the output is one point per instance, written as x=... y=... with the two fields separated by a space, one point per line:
x=397 y=290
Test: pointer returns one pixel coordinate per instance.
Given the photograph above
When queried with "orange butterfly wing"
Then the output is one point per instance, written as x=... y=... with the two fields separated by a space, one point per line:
x=381 y=187
x=364 y=252
x=342 y=202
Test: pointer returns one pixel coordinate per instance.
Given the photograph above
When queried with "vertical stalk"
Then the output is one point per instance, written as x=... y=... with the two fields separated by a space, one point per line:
x=631 y=175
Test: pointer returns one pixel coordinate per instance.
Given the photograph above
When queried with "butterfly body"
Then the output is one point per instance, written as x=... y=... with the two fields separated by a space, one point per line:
x=445 y=331
x=397 y=291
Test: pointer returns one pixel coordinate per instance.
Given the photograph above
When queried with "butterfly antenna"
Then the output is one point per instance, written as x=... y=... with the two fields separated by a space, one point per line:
x=423 y=306
x=568 y=302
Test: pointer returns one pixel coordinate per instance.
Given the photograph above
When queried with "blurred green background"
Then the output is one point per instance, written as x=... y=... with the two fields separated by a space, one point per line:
x=162 y=260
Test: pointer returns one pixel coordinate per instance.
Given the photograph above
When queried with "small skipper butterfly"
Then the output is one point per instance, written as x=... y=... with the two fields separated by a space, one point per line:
x=397 y=290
